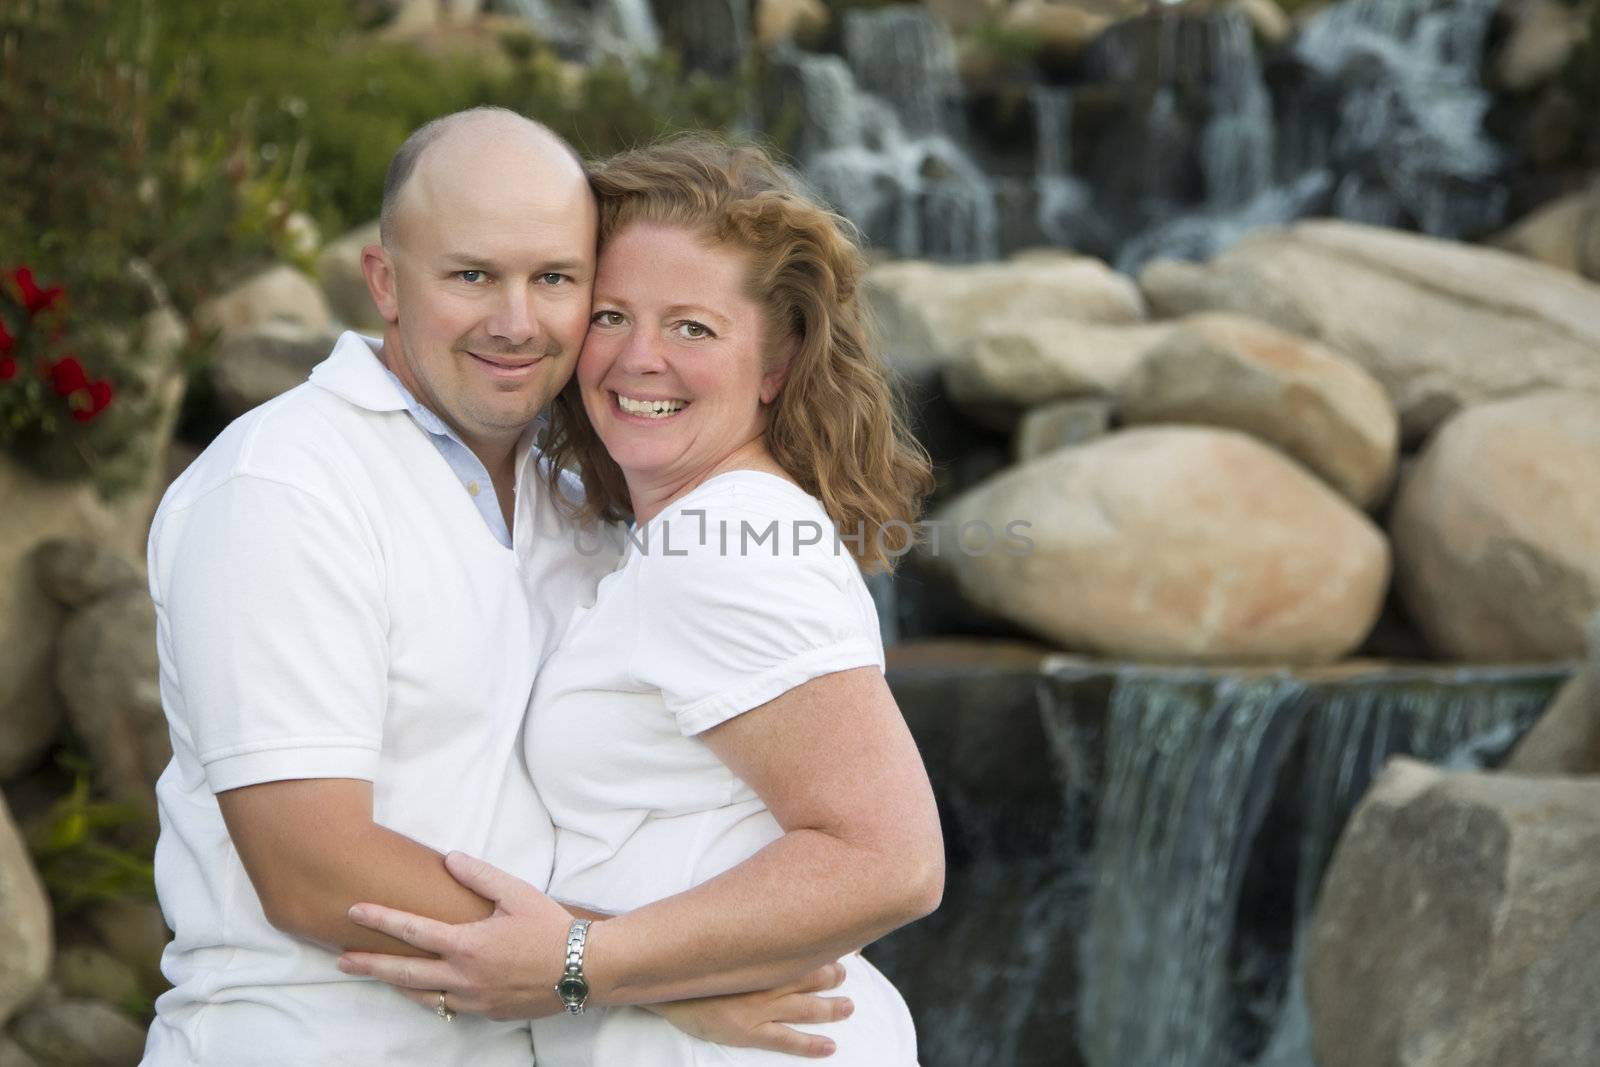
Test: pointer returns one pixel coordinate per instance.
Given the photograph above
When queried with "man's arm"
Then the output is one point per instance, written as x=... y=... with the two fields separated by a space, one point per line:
x=312 y=850
x=862 y=854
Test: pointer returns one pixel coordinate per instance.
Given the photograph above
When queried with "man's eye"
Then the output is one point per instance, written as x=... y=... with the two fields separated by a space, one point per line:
x=552 y=278
x=471 y=277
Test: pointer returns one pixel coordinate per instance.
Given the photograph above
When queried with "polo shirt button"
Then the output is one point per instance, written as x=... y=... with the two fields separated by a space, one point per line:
x=472 y=488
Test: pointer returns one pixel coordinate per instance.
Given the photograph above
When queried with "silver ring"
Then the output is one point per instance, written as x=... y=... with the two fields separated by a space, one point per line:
x=443 y=1012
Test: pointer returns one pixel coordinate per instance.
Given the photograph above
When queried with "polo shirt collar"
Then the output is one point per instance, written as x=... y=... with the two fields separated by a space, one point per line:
x=355 y=372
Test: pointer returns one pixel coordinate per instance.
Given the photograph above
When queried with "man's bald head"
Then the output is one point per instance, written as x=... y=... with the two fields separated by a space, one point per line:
x=471 y=131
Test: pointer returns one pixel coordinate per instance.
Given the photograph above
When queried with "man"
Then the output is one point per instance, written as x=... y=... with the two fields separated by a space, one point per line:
x=355 y=586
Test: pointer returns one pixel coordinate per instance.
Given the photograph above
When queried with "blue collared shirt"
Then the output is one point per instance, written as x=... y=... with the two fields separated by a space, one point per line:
x=468 y=468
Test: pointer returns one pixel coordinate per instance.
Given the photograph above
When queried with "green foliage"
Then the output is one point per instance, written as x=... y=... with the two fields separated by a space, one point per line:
x=79 y=851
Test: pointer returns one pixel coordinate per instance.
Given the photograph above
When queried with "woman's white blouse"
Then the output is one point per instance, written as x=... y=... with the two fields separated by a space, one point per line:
x=732 y=596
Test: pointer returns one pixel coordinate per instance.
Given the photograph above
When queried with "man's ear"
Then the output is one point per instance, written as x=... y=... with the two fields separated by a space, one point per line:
x=772 y=381
x=378 y=269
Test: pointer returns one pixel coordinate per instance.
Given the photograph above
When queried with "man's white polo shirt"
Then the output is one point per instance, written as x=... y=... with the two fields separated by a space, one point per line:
x=330 y=604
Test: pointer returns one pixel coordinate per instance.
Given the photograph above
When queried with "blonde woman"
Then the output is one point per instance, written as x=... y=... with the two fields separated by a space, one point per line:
x=726 y=769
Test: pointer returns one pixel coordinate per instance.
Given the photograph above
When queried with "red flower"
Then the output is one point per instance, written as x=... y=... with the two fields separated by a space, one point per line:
x=34 y=298
x=67 y=376
x=90 y=401
x=8 y=368
x=7 y=342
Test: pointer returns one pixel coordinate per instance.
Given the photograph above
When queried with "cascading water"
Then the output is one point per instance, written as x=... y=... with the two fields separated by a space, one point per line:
x=615 y=29
x=1193 y=766
x=891 y=163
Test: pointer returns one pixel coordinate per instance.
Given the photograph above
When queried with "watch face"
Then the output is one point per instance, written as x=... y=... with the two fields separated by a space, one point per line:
x=572 y=988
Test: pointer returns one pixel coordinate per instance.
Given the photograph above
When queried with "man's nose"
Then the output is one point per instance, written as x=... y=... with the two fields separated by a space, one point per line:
x=513 y=318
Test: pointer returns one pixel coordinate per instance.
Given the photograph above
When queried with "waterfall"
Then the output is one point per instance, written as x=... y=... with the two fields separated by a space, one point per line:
x=905 y=182
x=1410 y=123
x=905 y=55
x=1063 y=200
x=1194 y=767
x=617 y=29
x=1190 y=770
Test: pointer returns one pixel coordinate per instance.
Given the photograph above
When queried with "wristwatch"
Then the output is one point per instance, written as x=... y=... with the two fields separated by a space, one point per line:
x=573 y=988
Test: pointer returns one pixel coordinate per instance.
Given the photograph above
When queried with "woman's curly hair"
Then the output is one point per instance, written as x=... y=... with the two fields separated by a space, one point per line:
x=835 y=426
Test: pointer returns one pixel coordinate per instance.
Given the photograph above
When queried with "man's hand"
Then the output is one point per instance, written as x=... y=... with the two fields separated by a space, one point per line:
x=503 y=967
x=760 y=1020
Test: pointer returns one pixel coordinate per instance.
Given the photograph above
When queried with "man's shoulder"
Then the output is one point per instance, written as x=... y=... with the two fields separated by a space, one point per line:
x=305 y=438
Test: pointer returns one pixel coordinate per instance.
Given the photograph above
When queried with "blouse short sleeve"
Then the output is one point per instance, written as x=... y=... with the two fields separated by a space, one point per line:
x=727 y=625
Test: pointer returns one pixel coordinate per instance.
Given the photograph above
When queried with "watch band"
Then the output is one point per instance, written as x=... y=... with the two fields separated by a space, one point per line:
x=573 y=988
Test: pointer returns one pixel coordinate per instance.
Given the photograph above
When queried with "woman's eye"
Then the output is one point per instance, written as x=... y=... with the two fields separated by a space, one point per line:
x=607 y=318
x=693 y=330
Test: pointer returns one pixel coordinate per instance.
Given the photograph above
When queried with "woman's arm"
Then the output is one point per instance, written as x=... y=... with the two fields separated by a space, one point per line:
x=861 y=855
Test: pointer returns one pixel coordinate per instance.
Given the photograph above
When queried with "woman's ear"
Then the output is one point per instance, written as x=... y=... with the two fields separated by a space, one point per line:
x=379 y=271
x=772 y=381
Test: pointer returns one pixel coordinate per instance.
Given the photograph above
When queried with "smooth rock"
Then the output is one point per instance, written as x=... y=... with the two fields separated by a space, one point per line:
x=107 y=672
x=1179 y=544
x=94 y=974
x=14 y=1055
x=1221 y=369
x=929 y=312
x=80 y=1033
x=783 y=20
x=1495 y=530
x=1064 y=28
x=962 y=14
x=1267 y=18
x=1589 y=236
x=1566 y=739
x=1033 y=361
x=278 y=294
x=74 y=572
x=37 y=510
x=1458 y=925
x=1062 y=424
x=1440 y=324
x=1549 y=234
x=344 y=285
x=134 y=932
x=25 y=931
x=1543 y=35
x=250 y=368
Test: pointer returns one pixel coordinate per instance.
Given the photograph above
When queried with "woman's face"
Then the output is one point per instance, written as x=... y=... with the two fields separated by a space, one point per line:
x=671 y=372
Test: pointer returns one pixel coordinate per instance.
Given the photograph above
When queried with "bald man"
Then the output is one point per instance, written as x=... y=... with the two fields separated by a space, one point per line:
x=355 y=585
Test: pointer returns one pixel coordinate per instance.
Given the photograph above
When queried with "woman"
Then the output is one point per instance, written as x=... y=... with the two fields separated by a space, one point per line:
x=715 y=730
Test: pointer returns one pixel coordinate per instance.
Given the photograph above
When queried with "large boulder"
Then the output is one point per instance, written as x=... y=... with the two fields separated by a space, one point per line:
x=75 y=573
x=1184 y=544
x=1458 y=925
x=1220 y=369
x=344 y=285
x=1549 y=234
x=930 y=312
x=37 y=510
x=25 y=931
x=1566 y=739
x=69 y=1032
x=1543 y=35
x=1036 y=360
x=1440 y=324
x=1589 y=235
x=108 y=675
x=250 y=368
x=277 y=294
x=1495 y=529
x=1061 y=424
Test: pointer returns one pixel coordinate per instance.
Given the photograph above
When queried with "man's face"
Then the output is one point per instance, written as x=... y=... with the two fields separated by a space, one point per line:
x=492 y=267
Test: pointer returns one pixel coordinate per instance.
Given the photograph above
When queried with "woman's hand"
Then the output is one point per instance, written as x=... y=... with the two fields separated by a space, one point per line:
x=760 y=1020
x=503 y=967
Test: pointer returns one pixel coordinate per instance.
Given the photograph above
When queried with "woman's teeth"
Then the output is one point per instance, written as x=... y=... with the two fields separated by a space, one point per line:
x=654 y=409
